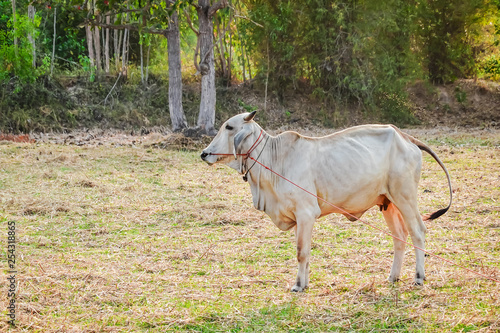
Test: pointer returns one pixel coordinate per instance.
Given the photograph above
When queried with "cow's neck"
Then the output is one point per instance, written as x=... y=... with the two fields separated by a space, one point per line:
x=263 y=182
x=265 y=185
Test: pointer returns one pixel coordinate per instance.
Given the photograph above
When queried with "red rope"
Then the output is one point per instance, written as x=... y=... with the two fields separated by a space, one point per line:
x=374 y=227
x=255 y=144
x=252 y=148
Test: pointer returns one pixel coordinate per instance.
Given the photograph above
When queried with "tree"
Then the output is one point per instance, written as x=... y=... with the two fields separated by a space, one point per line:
x=14 y=14
x=151 y=19
x=31 y=38
x=16 y=59
x=206 y=117
x=343 y=52
x=151 y=15
x=205 y=65
x=174 y=74
x=448 y=36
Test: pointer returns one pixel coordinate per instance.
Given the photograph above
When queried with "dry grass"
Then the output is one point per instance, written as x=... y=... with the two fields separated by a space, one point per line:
x=142 y=239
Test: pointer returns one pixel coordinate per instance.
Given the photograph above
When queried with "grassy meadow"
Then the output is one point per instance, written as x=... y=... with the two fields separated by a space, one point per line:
x=136 y=239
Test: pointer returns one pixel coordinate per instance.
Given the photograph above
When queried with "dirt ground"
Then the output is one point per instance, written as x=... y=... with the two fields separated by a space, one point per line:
x=466 y=108
x=464 y=104
x=165 y=139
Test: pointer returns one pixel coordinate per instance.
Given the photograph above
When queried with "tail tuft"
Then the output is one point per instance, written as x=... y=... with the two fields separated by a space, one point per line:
x=434 y=215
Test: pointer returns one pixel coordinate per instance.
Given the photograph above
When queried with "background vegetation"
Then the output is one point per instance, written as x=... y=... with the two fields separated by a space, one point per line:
x=345 y=57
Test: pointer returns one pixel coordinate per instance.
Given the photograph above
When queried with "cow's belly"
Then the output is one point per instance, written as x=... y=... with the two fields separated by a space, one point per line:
x=356 y=206
x=354 y=200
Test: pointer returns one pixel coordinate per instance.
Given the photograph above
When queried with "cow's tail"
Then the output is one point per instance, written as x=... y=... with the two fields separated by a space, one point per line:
x=424 y=147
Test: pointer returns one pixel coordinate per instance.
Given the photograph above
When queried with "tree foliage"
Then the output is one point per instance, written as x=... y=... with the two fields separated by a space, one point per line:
x=367 y=51
x=16 y=60
x=454 y=34
x=360 y=52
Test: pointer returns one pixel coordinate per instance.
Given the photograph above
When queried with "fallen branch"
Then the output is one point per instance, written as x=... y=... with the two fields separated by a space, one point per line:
x=119 y=76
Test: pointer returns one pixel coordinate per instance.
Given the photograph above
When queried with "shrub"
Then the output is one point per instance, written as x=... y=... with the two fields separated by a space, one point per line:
x=16 y=60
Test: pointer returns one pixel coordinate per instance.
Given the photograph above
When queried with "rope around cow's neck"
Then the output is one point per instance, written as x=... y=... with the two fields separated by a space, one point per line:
x=245 y=177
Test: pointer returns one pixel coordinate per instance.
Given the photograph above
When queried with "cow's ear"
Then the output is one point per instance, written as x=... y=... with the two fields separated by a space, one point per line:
x=250 y=116
x=238 y=138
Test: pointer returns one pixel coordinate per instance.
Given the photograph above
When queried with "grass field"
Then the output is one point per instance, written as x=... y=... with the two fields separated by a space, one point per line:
x=124 y=239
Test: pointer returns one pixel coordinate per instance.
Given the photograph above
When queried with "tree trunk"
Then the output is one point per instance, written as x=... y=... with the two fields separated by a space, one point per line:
x=174 y=72
x=230 y=59
x=31 y=16
x=267 y=78
x=249 y=67
x=115 y=46
x=126 y=45
x=97 y=48
x=243 y=63
x=221 y=48
x=90 y=39
x=106 y=47
x=53 y=42
x=90 y=44
x=142 y=61
x=118 y=50
x=242 y=53
x=206 y=117
x=147 y=63
x=127 y=50
x=123 y=69
x=14 y=25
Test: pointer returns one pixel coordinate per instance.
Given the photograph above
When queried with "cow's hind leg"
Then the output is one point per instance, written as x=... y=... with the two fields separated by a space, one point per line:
x=303 y=238
x=398 y=229
x=417 y=230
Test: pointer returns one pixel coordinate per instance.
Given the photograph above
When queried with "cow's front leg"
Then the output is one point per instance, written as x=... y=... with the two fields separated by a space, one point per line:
x=303 y=234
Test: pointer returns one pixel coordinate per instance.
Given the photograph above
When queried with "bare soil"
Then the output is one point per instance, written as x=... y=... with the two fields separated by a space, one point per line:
x=465 y=107
x=165 y=139
x=466 y=103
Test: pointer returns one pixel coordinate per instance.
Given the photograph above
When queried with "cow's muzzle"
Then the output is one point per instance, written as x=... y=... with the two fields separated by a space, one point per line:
x=208 y=158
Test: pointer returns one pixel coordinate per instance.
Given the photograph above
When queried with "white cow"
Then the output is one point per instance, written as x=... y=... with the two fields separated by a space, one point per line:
x=354 y=170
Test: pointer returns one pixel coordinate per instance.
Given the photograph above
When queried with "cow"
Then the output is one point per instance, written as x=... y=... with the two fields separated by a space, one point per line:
x=347 y=172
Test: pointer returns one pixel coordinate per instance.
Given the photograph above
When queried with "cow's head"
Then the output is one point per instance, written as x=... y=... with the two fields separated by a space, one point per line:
x=235 y=137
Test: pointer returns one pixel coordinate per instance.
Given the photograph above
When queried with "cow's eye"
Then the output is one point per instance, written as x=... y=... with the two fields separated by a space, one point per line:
x=229 y=127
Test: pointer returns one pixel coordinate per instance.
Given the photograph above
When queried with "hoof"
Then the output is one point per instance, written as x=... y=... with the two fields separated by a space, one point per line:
x=297 y=289
x=393 y=279
x=419 y=279
x=418 y=282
